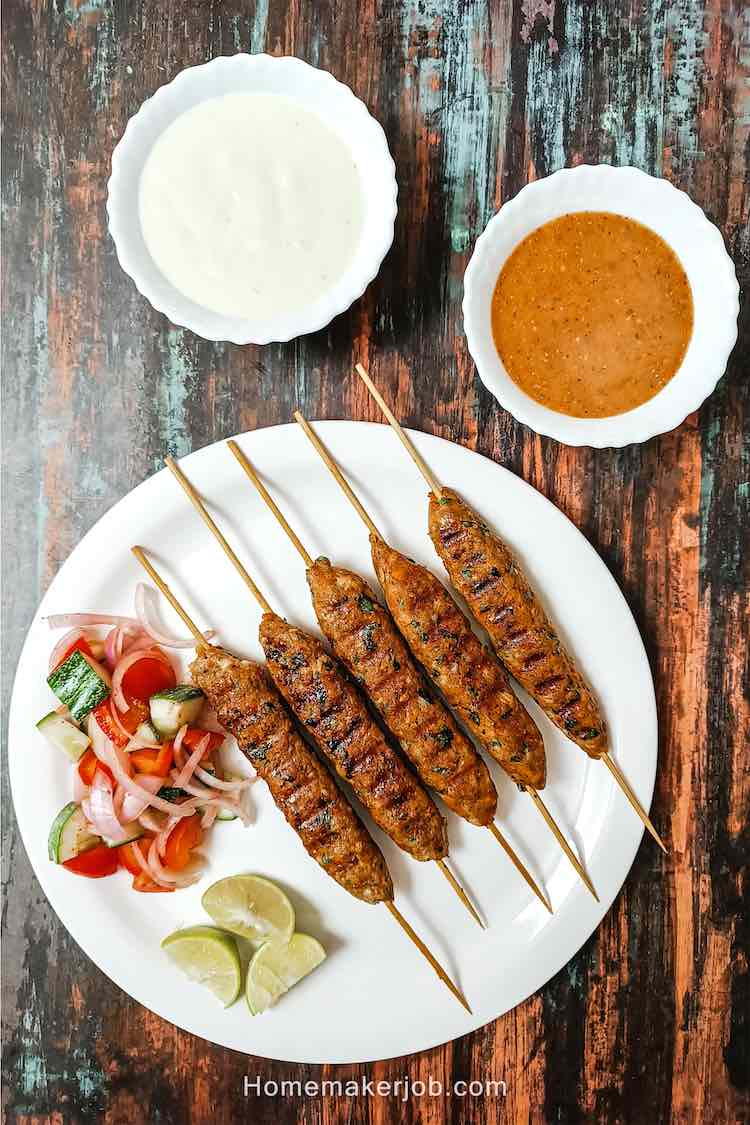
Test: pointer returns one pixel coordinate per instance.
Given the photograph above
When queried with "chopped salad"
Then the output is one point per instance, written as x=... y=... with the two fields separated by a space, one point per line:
x=148 y=782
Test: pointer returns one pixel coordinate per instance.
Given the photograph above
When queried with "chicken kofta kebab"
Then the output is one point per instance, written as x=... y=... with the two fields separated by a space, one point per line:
x=250 y=708
x=442 y=640
x=336 y=717
x=491 y=580
x=366 y=640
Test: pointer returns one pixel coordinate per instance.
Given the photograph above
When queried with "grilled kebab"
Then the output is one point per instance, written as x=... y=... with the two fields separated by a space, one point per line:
x=485 y=572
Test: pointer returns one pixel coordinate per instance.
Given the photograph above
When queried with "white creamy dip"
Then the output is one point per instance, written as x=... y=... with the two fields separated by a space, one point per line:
x=250 y=205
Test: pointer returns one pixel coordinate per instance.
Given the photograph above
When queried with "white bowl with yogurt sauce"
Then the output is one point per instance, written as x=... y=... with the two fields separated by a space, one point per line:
x=252 y=199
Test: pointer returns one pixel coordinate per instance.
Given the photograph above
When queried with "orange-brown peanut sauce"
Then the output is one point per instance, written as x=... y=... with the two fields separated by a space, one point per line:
x=592 y=314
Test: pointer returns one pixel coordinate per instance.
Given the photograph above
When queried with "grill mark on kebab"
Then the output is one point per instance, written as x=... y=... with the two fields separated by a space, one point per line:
x=330 y=707
x=484 y=571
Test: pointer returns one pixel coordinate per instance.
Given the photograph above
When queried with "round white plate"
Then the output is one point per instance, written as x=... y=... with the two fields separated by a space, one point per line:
x=374 y=997
x=696 y=242
x=320 y=93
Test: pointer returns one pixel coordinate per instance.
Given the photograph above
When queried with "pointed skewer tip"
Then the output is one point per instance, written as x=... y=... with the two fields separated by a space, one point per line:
x=624 y=784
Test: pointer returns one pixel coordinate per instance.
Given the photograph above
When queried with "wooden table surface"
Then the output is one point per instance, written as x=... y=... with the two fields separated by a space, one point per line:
x=648 y=1023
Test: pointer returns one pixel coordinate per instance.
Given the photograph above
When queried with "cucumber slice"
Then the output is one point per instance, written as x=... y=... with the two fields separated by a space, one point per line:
x=172 y=793
x=175 y=707
x=70 y=834
x=134 y=831
x=80 y=683
x=64 y=735
x=225 y=814
x=148 y=732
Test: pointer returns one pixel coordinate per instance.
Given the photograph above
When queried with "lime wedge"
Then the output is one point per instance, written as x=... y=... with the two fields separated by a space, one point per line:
x=275 y=968
x=208 y=956
x=252 y=907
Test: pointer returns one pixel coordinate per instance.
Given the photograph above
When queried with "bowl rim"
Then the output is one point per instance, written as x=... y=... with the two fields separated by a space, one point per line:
x=616 y=430
x=207 y=323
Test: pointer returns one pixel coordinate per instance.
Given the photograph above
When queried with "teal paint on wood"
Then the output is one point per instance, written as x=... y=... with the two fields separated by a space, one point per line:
x=686 y=34
x=178 y=379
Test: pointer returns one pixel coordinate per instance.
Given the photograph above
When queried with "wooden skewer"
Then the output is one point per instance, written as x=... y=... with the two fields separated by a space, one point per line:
x=460 y=892
x=435 y=487
x=519 y=866
x=426 y=953
x=200 y=639
x=269 y=500
x=562 y=841
x=614 y=769
x=200 y=507
x=407 y=443
x=331 y=464
x=333 y=468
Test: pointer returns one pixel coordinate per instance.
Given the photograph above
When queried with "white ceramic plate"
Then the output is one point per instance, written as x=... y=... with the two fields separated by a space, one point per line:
x=320 y=93
x=682 y=224
x=374 y=997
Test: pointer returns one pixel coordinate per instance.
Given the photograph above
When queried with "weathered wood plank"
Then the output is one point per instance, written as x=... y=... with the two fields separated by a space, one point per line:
x=649 y=1021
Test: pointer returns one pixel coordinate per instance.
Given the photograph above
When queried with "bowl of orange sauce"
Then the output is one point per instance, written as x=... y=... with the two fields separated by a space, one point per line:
x=600 y=306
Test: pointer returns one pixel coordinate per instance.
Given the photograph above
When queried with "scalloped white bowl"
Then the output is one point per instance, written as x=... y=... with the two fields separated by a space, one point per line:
x=320 y=93
x=696 y=242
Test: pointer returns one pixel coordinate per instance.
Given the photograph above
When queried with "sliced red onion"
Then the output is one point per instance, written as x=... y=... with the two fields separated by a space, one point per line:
x=186 y=878
x=138 y=743
x=123 y=731
x=191 y=764
x=117 y=802
x=61 y=620
x=229 y=806
x=132 y=806
x=62 y=647
x=135 y=639
x=115 y=642
x=177 y=744
x=117 y=761
x=194 y=790
x=206 y=799
x=99 y=809
x=161 y=839
x=148 y=872
x=216 y=783
x=142 y=592
x=209 y=816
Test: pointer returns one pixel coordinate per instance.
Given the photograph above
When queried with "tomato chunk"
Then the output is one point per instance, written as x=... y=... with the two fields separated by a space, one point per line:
x=80 y=645
x=182 y=839
x=143 y=883
x=95 y=863
x=127 y=857
x=146 y=677
x=131 y=719
x=89 y=764
x=194 y=735
x=157 y=762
